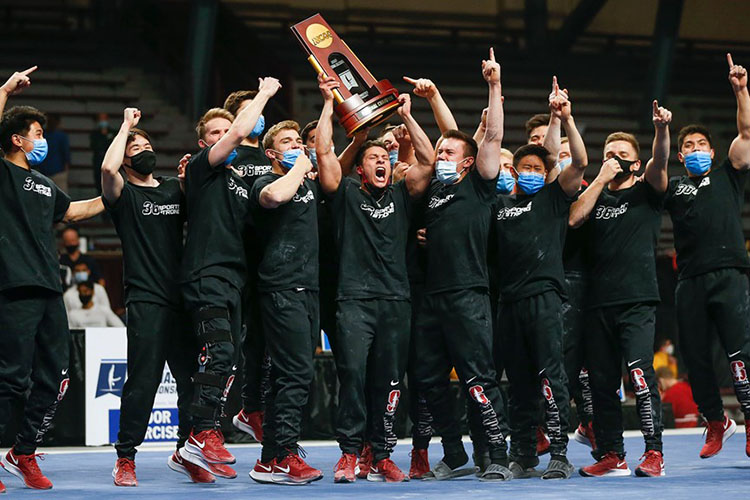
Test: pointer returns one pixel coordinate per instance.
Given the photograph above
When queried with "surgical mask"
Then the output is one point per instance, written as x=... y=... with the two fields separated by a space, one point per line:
x=85 y=299
x=698 y=162
x=446 y=172
x=564 y=163
x=669 y=349
x=71 y=248
x=393 y=156
x=103 y=124
x=259 y=127
x=313 y=155
x=530 y=182
x=505 y=182
x=230 y=158
x=81 y=276
x=290 y=157
x=39 y=153
x=143 y=162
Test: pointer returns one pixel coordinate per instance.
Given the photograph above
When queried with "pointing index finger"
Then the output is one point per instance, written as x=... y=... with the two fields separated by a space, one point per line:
x=656 y=106
x=29 y=71
x=410 y=80
x=492 y=54
x=729 y=60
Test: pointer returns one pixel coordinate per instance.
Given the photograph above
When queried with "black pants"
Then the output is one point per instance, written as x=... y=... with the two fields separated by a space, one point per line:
x=574 y=347
x=454 y=330
x=419 y=413
x=216 y=314
x=371 y=355
x=156 y=333
x=256 y=365
x=717 y=299
x=291 y=325
x=34 y=353
x=615 y=333
x=531 y=329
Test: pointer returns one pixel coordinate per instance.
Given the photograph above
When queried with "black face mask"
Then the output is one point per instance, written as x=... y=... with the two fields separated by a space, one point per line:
x=85 y=299
x=625 y=166
x=144 y=162
x=71 y=248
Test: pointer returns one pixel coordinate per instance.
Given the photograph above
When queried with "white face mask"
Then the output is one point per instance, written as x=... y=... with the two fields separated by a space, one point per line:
x=669 y=349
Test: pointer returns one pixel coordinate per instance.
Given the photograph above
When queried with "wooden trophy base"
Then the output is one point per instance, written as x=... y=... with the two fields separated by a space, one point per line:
x=355 y=114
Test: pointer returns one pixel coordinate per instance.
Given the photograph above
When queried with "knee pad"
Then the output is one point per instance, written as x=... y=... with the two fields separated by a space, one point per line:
x=210 y=379
x=213 y=325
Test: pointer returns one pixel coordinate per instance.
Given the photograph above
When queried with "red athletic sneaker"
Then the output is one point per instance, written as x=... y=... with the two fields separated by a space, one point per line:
x=365 y=461
x=420 y=463
x=207 y=446
x=609 y=465
x=195 y=473
x=222 y=470
x=124 y=472
x=293 y=470
x=747 y=438
x=585 y=435
x=251 y=423
x=542 y=442
x=25 y=468
x=345 y=470
x=385 y=470
x=263 y=473
x=652 y=465
x=2 y=487
x=717 y=432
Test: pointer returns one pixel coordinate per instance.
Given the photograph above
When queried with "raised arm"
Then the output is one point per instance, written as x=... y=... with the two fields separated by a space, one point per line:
x=419 y=175
x=329 y=168
x=481 y=128
x=739 y=151
x=582 y=207
x=349 y=154
x=244 y=122
x=84 y=209
x=427 y=89
x=406 y=153
x=570 y=179
x=283 y=189
x=112 y=182
x=488 y=156
x=656 y=168
x=15 y=85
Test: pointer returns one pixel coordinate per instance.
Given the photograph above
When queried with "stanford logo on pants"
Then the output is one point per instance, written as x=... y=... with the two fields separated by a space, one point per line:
x=546 y=389
x=63 y=389
x=477 y=392
x=393 y=398
x=738 y=371
x=639 y=381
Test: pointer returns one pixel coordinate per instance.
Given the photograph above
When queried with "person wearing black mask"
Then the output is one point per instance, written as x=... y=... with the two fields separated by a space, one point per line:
x=624 y=216
x=148 y=215
x=71 y=243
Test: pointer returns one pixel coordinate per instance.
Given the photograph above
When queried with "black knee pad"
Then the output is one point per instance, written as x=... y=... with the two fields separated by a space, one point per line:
x=213 y=325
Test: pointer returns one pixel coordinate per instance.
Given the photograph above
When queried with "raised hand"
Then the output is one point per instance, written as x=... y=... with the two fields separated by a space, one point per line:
x=737 y=75
x=399 y=171
x=491 y=69
x=405 y=109
x=181 y=166
x=327 y=84
x=609 y=170
x=18 y=81
x=401 y=135
x=268 y=85
x=559 y=104
x=422 y=87
x=661 y=116
x=304 y=162
x=131 y=117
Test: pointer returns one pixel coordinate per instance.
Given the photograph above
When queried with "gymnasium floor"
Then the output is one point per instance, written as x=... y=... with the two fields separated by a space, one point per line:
x=86 y=472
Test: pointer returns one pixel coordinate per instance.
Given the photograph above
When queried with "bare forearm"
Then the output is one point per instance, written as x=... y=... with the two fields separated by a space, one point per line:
x=577 y=147
x=423 y=151
x=743 y=113
x=495 y=117
x=85 y=209
x=282 y=190
x=582 y=207
x=3 y=101
x=329 y=167
x=441 y=111
x=552 y=137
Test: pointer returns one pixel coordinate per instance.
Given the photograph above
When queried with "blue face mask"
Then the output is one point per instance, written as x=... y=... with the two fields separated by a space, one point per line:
x=313 y=155
x=698 y=162
x=39 y=153
x=530 y=182
x=446 y=172
x=393 y=157
x=103 y=124
x=505 y=182
x=290 y=156
x=564 y=163
x=260 y=126
x=230 y=158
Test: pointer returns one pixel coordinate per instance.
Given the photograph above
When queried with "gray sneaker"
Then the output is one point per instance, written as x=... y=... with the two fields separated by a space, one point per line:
x=442 y=472
x=519 y=472
x=496 y=473
x=481 y=461
x=557 y=469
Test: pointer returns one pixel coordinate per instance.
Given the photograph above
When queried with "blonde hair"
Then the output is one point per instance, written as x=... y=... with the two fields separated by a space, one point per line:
x=212 y=113
x=273 y=132
x=624 y=136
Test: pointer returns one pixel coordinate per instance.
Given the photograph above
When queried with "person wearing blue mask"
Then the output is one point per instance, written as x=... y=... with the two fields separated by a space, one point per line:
x=453 y=325
x=706 y=208
x=34 y=336
x=284 y=205
x=214 y=268
x=530 y=228
x=624 y=218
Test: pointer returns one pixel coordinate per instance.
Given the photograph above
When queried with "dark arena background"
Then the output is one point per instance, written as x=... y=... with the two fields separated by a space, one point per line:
x=175 y=59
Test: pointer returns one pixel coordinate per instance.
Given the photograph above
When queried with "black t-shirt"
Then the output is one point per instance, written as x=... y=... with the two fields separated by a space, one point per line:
x=289 y=238
x=624 y=228
x=530 y=231
x=217 y=206
x=328 y=255
x=458 y=222
x=30 y=204
x=149 y=221
x=371 y=239
x=707 y=219
x=416 y=254
x=251 y=163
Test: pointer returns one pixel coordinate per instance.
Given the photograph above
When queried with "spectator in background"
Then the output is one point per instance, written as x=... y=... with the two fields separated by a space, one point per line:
x=57 y=163
x=91 y=314
x=82 y=274
x=99 y=140
x=536 y=128
x=679 y=394
x=664 y=357
x=71 y=242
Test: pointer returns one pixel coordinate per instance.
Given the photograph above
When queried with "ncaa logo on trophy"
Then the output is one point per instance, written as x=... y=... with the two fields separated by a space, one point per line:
x=361 y=100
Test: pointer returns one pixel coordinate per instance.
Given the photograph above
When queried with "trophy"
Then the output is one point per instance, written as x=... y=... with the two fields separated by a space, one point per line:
x=361 y=101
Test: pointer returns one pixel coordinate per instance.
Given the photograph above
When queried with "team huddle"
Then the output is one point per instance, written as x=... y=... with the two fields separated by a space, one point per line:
x=415 y=257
